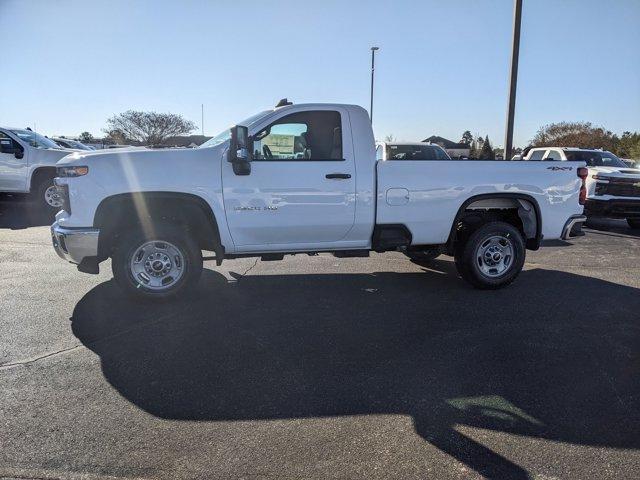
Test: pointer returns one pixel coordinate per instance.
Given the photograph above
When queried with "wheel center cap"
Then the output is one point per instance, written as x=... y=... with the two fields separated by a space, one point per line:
x=157 y=265
x=496 y=257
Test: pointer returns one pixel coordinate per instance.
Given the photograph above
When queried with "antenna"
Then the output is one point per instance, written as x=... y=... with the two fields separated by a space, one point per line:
x=283 y=103
x=202 y=118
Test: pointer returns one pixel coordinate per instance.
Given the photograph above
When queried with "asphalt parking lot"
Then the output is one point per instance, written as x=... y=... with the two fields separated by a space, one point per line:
x=316 y=367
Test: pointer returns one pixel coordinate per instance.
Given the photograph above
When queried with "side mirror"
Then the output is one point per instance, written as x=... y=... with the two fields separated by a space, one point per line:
x=240 y=150
x=18 y=153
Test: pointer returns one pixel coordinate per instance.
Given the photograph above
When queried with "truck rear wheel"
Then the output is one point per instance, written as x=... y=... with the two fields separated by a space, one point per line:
x=161 y=263
x=492 y=257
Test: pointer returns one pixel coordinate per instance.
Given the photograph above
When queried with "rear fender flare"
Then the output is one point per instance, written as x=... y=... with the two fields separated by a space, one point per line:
x=528 y=211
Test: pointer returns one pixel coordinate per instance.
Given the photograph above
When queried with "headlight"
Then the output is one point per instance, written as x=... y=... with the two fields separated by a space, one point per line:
x=72 y=171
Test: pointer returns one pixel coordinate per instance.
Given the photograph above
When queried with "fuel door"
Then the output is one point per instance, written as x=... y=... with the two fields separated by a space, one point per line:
x=397 y=196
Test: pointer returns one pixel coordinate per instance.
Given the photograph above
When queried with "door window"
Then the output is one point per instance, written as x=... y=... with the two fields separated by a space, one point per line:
x=7 y=144
x=537 y=155
x=302 y=136
x=554 y=155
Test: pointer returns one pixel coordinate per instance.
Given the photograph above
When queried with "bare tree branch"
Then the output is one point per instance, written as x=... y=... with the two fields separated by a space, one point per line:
x=149 y=128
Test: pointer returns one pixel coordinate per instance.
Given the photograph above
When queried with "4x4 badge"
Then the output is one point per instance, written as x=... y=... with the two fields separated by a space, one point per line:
x=555 y=169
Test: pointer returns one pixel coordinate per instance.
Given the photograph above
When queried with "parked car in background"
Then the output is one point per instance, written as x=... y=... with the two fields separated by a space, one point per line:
x=631 y=162
x=613 y=188
x=410 y=151
x=68 y=143
x=301 y=179
x=28 y=165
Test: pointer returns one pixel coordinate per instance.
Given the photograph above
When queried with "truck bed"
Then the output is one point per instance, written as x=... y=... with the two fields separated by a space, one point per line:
x=426 y=195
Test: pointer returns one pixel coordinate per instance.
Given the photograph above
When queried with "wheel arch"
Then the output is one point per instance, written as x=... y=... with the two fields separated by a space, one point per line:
x=39 y=173
x=527 y=207
x=142 y=209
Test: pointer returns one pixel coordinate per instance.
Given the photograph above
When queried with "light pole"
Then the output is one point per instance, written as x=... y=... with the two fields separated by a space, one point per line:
x=373 y=64
x=515 y=52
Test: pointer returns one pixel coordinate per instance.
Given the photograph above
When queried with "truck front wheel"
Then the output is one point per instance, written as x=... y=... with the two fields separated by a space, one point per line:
x=45 y=194
x=492 y=257
x=157 y=264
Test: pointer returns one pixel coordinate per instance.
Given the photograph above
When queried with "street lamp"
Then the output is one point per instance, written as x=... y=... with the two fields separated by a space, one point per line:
x=513 y=79
x=373 y=63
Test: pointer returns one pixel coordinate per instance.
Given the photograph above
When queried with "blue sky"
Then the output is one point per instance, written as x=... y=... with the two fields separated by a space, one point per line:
x=442 y=67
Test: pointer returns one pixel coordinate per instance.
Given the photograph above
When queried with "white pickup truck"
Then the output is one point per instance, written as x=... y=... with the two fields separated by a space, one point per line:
x=302 y=179
x=613 y=188
x=28 y=165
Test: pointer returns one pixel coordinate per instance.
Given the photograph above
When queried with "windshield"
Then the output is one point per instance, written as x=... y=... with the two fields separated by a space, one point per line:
x=77 y=145
x=226 y=134
x=36 y=140
x=596 y=158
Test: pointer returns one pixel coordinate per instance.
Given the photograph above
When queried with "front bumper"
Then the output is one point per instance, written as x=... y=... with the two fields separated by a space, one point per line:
x=613 y=208
x=572 y=222
x=74 y=244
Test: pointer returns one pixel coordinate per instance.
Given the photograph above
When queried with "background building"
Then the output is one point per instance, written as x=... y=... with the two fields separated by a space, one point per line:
x=455 y=150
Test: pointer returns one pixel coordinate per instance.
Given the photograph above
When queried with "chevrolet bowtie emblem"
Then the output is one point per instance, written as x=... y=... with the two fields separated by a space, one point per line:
x=637 y=184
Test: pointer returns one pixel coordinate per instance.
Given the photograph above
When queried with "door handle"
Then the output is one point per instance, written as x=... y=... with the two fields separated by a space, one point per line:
x=337 y=175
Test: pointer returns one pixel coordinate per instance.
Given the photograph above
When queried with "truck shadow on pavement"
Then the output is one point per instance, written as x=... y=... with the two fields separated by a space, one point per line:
x=611 y=227
x=552 y=357
x=17 y=214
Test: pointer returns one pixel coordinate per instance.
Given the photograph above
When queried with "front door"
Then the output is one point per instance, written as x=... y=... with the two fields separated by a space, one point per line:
x=301 y=189
x=13 y=171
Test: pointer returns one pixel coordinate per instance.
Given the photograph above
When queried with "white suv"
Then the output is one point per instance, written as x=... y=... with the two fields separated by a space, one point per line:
x=613 y=188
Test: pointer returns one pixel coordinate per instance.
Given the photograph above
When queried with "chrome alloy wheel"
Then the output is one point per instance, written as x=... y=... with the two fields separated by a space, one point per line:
x=52 y=197
x=495 y=256
x=157 y=265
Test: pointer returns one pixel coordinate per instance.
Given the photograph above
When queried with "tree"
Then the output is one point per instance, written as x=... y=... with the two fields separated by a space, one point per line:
x=116 y=136
x=86 y=137
x=389 y=138
x=149 y=128
x=629 y=145
x=486 y=152
x=575 y=134
x=467 y=138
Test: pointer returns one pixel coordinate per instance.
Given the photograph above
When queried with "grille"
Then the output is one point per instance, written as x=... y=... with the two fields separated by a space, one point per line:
x=619 y=189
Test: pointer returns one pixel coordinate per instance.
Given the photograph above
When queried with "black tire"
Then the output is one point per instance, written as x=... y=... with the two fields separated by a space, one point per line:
x=43 y=187
x=422 y=256
x=634 y=222
x=471 y=270
x=187 y=265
